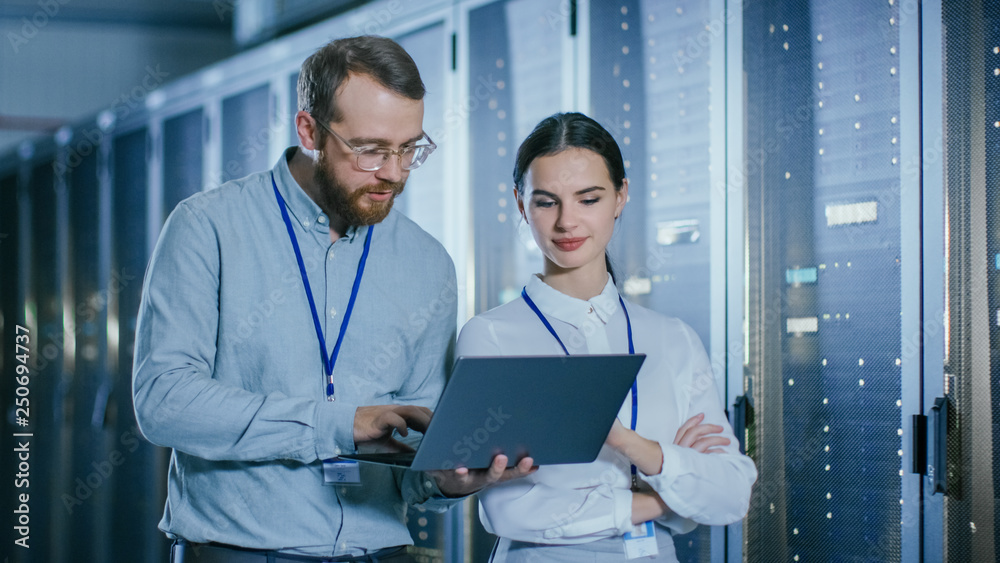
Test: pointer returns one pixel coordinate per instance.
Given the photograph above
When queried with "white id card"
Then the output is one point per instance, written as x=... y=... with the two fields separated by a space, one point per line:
x=338 y=471
x=641 y=541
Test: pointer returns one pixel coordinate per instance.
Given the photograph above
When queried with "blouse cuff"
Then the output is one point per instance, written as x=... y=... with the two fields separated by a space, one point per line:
x=678 y=524
x=676 y=464
x=623 y=510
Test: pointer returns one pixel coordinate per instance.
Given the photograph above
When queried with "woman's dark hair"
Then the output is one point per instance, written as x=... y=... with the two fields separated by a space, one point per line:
x=378 y=57
x=562 y=131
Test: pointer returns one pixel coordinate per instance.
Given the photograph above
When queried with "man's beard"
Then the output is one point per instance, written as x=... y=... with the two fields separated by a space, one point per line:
x=347 y=206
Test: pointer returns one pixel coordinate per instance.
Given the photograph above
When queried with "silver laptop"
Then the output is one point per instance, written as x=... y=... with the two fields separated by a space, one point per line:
x=556 y=409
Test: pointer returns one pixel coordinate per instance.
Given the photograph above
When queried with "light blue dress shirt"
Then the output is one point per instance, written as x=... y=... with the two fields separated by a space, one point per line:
x=228 y=370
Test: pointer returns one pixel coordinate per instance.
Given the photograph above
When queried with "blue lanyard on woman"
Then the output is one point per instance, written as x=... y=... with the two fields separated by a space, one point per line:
x=328 y=362
x=631 y=350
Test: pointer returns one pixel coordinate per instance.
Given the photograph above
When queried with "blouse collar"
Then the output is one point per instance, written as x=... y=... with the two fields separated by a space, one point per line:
x=577 y=312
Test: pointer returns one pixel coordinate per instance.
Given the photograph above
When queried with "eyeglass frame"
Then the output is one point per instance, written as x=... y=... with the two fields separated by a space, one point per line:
x=358 y=151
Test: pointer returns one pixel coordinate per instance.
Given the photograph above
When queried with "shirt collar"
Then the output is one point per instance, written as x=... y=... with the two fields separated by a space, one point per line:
x=301 y=207
x=555 y=304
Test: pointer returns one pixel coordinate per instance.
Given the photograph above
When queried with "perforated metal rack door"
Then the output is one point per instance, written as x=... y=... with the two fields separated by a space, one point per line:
x=971 y=56
x=823 y=273
x=425 y=191
x=182 y=157
x=245 y=130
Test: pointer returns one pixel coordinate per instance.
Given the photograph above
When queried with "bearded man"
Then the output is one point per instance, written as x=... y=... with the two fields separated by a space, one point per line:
x=284 y=322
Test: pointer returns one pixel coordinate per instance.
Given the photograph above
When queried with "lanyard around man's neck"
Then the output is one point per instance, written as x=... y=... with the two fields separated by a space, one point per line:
x=331 y=361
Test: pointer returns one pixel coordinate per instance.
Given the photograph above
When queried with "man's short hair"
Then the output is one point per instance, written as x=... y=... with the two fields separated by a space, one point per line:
x=380 y=58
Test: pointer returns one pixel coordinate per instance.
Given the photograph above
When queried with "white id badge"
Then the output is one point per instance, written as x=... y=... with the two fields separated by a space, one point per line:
x=641 y=541
x=338 y=471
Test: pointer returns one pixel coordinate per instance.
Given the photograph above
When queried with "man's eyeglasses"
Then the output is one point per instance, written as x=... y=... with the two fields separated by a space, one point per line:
x=371 y=159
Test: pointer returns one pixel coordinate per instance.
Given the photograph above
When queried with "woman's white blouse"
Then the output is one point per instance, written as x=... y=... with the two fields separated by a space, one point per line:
x=578 y=503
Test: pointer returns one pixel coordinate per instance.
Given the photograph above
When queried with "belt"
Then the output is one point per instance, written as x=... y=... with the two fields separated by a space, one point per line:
x=183 y=551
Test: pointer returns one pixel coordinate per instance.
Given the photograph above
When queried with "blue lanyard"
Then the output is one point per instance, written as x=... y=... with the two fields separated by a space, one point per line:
x=631 y=350
x=328 y=362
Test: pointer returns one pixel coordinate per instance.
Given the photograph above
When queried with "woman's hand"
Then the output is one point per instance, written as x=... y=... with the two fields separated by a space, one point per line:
x=646 y=454
x=699 y=437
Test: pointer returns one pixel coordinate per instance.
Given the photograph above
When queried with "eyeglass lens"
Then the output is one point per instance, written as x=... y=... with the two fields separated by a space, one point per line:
x=410 y=158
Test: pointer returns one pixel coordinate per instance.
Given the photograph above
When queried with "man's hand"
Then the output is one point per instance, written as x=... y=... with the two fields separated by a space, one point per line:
x=463 y=481
x=374 y=425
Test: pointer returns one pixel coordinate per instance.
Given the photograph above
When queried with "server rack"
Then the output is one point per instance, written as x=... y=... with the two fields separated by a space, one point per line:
x=823 y=232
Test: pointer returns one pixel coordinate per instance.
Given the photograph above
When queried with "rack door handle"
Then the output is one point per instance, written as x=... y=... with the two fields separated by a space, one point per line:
x=742 y=417
x=937 y=446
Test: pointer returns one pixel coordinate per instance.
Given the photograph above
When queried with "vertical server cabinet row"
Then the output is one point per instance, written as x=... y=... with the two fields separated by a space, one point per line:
x=812 y=189
x=824 y=279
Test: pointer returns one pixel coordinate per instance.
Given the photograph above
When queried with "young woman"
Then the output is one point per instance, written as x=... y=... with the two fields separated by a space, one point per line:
x=669 y=463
